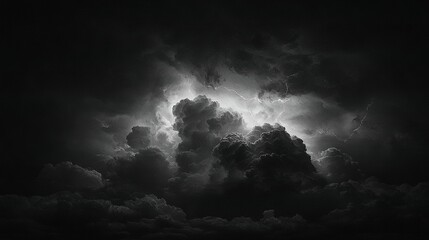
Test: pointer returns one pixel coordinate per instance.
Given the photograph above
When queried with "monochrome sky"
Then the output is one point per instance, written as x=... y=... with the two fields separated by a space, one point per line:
x=168 y=119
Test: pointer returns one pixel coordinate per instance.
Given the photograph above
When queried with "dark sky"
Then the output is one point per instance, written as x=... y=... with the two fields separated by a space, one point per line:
x=183 y=119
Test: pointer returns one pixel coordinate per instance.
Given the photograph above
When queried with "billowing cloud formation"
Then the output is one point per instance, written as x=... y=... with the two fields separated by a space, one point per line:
x=274 y=160
x=337 y=166
x=191 y=122
x=201 y=123
x=68 y=176
x=257 y=131
x=234 y=153
x=270 y=156
x=238 y=170
x=139 y=137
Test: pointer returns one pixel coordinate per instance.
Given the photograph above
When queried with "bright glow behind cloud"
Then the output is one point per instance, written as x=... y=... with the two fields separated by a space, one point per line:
x=254 y=111
x=307 y=116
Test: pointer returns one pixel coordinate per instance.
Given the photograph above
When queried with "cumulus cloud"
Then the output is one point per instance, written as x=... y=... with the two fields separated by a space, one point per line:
x=68 y=176
x=257 y=131
x=280 y=159
x=139 y=137
x=240 y=170
x=227 y=122
x=234 y=153
x=215 y=163
x=337 y=166
x=201 y=123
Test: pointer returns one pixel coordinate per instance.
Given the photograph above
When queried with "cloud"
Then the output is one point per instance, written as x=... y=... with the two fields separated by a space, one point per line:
x=148 y=170
x=337 y=166
x=279 y=88
x=139 y=137
x=257 y=131
x=234 y=154
x=191 y=122
x=201 y=123
x=227 y=122
x=68 y=176
x=367 y=208
x=269 y=225
x=150 y=206
x=281 y=159
x=238 y=170
x=65 y=213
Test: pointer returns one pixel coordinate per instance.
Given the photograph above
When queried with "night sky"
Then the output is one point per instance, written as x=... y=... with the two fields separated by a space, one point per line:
x=214 y=120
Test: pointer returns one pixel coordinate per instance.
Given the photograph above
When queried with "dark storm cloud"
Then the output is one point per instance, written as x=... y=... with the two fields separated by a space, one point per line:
x=337 y=166
x=278 y=141
x=150 y=206
x=257 y=131
x=205 y=116
x=274 y=159
x=68 y=176
x=191 y=121
x=277 y=87
x=237 y=170
x=201 y=123
x=369 y=208
x=234 y=153
x=63 y=213
x=71 y=214
x=244 y=225
x=388 y=141
x=282 y=160
x=148 y=170
x=226 y=123
x=348 y=60
x=139 y=137
x=373 y=203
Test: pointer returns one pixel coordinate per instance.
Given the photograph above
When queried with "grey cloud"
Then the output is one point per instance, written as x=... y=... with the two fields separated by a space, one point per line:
x=337 y=166
x=367 y=208
x=201 y=123
x=234 y=152
x=150 y=206
x=269 y=224
x=139 y=137
x=257 y=131
x=282 y=159
x=227 y=122
x=241 y=171
x=148 y=170
x=64 y=212
x=68 y=176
